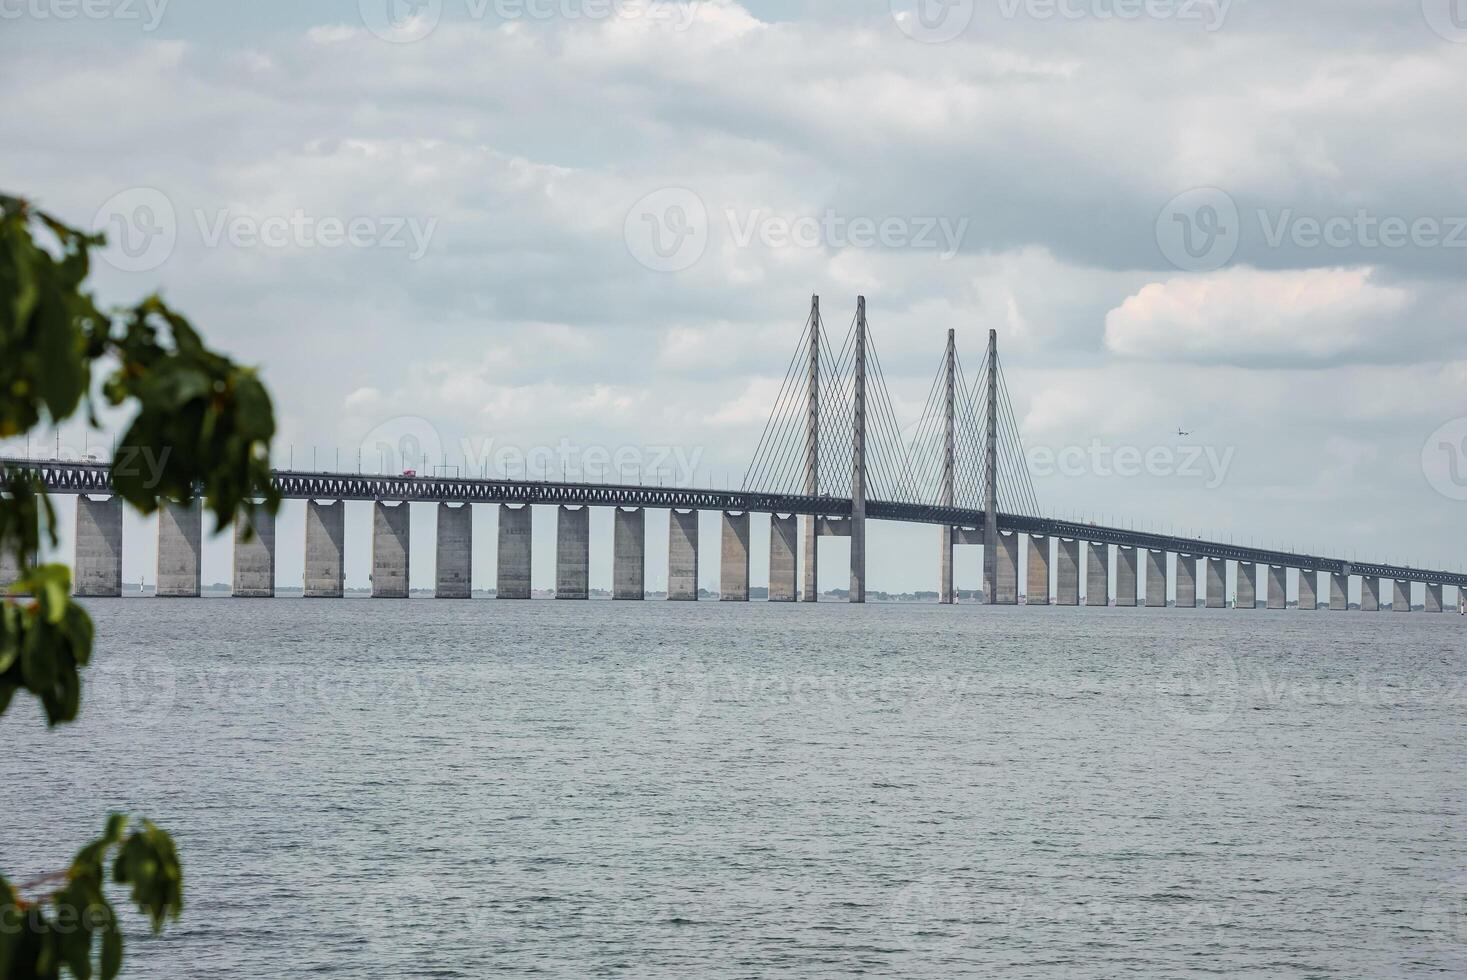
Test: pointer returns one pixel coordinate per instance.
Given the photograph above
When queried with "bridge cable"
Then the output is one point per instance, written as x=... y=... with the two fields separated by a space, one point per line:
x=759 y=463
x=899 y=469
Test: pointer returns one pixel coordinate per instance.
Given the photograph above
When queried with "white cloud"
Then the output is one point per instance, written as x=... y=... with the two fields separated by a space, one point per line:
x=1251 y=316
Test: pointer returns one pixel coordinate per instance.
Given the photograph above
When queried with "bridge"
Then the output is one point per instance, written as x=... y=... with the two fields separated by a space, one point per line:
x=832 y=455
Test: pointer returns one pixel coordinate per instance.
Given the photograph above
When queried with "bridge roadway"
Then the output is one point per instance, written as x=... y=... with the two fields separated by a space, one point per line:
x=92 y=478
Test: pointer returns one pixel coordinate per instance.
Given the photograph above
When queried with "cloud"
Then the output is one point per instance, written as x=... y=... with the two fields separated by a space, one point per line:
x=1248 y=316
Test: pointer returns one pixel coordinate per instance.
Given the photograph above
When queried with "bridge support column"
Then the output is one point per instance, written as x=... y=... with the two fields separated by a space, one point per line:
x=512 y=574
x=682 y=555
x=782 y=550
x=1007 y=570
x=391 y=534
x=97 y=565
x=1433 y=598
x=1247 y=586
x=1217 y=583
x=573 y=553
x=254 y=559
x=1401 y=598
x=1097 y=575
x=1067 y=572
x=1036 y=590
x=1339 y=591
x=733 y=559
x=180 y=546
x=1308 y=589
x=325 y=547
x=1126 y=576
x=629 y=555
x=945 y=594
x=1369 y=593
x=9 y=570
x=1155 y=579
x=1278 y=587
x=1186 y=581
x=454 y=567
x=811 y=587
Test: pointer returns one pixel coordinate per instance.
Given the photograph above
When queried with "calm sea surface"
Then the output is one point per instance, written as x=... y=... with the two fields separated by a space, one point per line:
x=472 y=789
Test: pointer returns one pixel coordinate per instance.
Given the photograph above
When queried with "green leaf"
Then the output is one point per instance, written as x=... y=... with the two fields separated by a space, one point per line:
x=111 y=952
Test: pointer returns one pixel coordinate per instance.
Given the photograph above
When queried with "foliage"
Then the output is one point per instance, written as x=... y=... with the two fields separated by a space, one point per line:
x=204 y=426
x=71 y=925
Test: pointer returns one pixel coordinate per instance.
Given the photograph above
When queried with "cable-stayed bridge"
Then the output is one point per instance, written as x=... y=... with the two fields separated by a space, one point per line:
x=833 y=455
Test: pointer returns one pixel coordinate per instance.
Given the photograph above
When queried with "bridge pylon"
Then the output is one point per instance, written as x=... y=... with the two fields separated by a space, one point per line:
x=812 y=454
x=946 y=595
x=858 y=461
x=990 y=479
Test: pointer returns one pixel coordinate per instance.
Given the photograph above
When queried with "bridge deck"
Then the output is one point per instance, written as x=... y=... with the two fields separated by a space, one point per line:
x=87 y=477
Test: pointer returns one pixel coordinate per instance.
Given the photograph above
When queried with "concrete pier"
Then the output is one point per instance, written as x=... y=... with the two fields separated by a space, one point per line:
x=325 y=575
x=1036 y=590
x=1186 y=581
x=1339 y=591
x=810 y=589
x=573 y=553
x=1401 y=597
x=391 y=554
x=1369 y=594
x=1247 y=586
x=180 y=549
x=97 y=567
x=512 y=575
x=733 y=559
x=1155 y=579
x=1308 y=589
x=946 y=594
x=9 y=570
x=1278 y=587
x=1007 y=570
x=682 y=555
x=783 y=543
x=453 y=569
x=1217 y=583
x=1067 y=572
x=629 y=555
x=1097 y=575
x=1127 y=579
x=254 y=560
x=1433 y=598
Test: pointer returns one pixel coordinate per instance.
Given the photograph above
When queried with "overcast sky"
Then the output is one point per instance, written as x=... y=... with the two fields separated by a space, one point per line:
x=530 y=221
